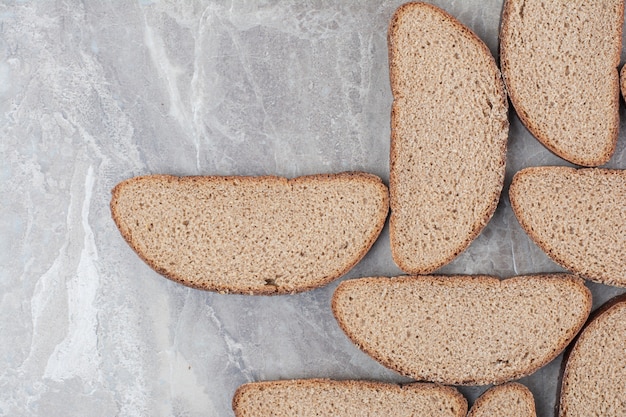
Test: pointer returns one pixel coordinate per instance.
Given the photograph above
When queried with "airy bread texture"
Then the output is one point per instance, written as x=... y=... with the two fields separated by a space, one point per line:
x=252 y=235
x=508 y=400
x=449 y=131
x=594 y=376
x=463 y=330
x=320 y=397
x=559 y=62
x=578 y=217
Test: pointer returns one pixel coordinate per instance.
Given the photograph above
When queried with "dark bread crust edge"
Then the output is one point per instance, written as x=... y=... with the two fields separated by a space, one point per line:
x=572 y=349
x=450 y=280
x=542 y=244
x=481 y=221
x=417 y=387
x=531 y=126
x=270 y=290
x=509 y=386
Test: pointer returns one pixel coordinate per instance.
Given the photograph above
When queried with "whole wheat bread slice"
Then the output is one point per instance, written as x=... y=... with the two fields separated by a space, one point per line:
x=578 y=217
x=320 y=397
x=594 y=376
x=508 y=400
x=253 y=235
x=462 y=330
x=559 y=62
x=449 y=131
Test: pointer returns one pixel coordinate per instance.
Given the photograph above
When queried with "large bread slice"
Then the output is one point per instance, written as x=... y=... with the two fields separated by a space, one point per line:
x=462 y=330
x=319 y=397
x=578 y=217
x=594 y=376
x=257 y=235
x=508 y=400
x=449 y=131
x=559 y=62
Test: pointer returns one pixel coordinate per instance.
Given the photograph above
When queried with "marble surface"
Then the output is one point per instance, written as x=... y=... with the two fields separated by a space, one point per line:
x=94 y=92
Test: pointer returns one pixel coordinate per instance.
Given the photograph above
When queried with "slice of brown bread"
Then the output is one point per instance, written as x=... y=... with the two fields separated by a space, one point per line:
x=508 y=400
x=463 y=330
x=578 y=217
x=559 y=62
x=622 y=81
x=320 y=397
x=594 y=375
x=253 y=235
x=449 y=131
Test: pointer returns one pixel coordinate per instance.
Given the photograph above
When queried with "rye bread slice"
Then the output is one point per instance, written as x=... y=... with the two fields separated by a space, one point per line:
x=508 y=400
x=594 y=371
x=559 y=63
x=449 y=131
x=578 y=217
x=252 y=235
x=462 y=330
x=321 y=397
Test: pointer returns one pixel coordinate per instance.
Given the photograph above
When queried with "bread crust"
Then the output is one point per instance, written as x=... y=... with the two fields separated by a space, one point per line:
x=534 y=129
x=452 y=280
x=524 y=392
x=321 y=383
x=618 y=301
x=544 y=245
x=201 y=181
x=494 y=195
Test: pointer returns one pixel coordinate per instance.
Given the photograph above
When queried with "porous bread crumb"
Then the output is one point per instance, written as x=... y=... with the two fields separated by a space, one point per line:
x=449 y=131
x=559 y=62
x=462 y=330
x=594 y=378
x=507 y=400
x=318 y=397
x=251 y=235
x=578 y=217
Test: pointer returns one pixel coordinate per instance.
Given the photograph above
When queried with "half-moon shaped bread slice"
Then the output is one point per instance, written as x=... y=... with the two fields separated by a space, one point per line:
x=508 y=400
x=559 y=62
x=253 y=235
x=594 y=376
x=449 y=131
x=320 y=397
x=578 y=217
x=462 y=330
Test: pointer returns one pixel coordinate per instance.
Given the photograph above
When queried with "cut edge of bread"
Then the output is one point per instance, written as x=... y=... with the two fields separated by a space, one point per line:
x=268 y=290
x=541 y=136
x=560 y=347
x=313 y=383
x=482 y=222
x=521 y=389
x=528 y=228
x=564 y=369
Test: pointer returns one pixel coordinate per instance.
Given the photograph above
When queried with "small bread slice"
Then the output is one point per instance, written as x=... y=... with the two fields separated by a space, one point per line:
x=578 y=217
x=252 y=235
x=322 y=397
x=449 y=131
x=509 y=400
x=559 y=62
x=594 y=375
x=463 y=330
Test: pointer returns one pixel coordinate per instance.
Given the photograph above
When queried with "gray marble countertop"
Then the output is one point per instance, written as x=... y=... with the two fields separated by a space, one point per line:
x=92 y=93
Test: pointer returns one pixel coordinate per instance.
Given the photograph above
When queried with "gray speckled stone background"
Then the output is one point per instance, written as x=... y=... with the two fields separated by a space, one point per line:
x=93 y=92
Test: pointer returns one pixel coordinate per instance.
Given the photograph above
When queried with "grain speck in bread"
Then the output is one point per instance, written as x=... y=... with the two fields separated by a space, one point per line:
x=559 y=62
x=578 y=217
x=320 y=397
x=252 y=235
x=594 y=376
x=508 y=400
x=462 y=330
x=449 y=131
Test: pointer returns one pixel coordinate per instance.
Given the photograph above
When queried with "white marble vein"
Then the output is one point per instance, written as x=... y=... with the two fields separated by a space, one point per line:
x=95 y=92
